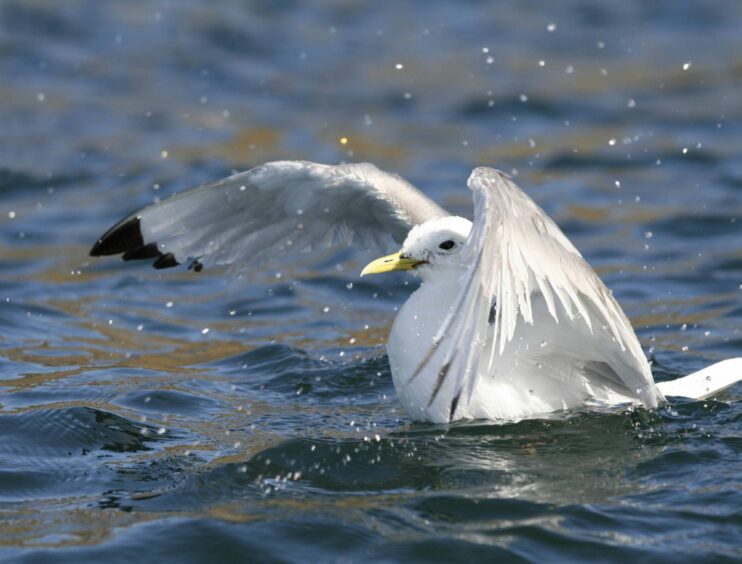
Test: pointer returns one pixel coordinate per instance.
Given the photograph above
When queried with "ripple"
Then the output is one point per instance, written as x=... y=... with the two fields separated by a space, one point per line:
x=172 y=402
x=292 y=372
x=73 y=430
x=57 y=453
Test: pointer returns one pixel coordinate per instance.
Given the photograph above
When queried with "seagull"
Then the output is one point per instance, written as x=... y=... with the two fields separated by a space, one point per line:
x=509 y=321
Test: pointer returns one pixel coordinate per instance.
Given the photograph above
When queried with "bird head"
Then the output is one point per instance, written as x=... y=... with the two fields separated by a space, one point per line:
x=429 y=247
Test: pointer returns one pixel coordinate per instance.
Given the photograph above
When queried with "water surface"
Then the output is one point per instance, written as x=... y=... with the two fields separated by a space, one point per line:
x=168 y=416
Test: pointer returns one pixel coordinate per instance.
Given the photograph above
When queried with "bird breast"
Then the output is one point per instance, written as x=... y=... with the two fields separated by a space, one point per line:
x=412 y=336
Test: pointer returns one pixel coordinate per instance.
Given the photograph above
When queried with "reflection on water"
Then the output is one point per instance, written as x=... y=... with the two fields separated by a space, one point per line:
x=171 y=414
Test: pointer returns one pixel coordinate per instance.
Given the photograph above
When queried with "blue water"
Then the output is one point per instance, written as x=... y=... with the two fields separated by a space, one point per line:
x=164 y=416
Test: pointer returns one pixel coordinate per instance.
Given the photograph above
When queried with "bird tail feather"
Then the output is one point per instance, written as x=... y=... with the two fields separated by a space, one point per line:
x=707 y=382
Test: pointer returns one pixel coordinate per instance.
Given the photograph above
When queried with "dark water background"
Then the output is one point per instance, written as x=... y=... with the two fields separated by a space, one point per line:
x=173 y=417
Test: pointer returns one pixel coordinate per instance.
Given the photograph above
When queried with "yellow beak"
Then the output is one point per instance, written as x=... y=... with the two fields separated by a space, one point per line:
x=389 y=263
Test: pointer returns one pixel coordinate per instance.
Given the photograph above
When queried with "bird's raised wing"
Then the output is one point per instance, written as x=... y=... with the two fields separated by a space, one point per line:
x=272 y=209
x=521 y=262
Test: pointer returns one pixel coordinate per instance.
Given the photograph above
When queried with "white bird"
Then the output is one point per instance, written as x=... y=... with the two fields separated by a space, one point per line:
x=509 y=321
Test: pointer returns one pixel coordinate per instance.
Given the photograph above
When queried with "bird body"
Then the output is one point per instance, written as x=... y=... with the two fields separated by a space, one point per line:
x=545 y=366
x=509 y=321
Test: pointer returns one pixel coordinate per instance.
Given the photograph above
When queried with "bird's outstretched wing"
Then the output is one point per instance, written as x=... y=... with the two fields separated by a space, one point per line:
x=272 y=209
x=522 y=262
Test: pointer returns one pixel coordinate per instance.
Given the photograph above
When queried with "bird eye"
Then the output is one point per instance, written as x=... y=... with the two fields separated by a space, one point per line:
x=447 y=245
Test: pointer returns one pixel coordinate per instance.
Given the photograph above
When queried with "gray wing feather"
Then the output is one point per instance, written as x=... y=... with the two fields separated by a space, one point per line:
x=273 y=209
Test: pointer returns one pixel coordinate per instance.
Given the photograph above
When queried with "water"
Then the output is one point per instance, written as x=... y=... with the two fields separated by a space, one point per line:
x=129 y=431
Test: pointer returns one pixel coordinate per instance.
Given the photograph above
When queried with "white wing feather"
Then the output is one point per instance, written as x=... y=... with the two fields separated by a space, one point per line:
x=519 y=256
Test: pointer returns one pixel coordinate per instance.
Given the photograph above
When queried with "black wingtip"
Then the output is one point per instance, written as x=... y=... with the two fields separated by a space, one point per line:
x=142 y=253
x=126 y=237
x=123 y=237
x=165 y=261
